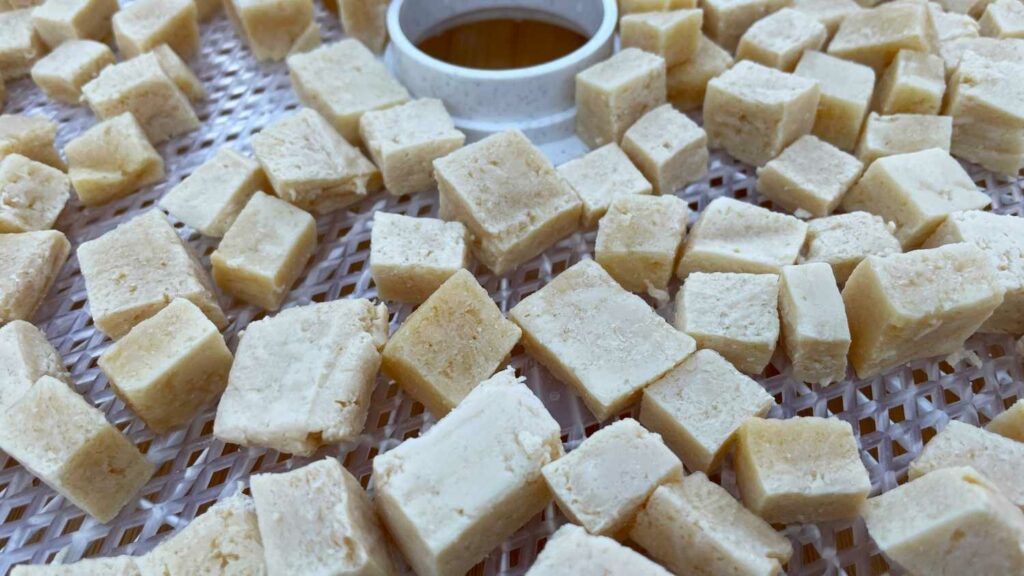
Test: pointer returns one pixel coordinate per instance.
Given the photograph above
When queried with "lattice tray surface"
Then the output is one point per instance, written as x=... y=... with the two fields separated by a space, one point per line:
x=892 y=415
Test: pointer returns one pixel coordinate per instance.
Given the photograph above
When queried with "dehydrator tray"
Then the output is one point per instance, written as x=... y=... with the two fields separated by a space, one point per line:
x=891 y=414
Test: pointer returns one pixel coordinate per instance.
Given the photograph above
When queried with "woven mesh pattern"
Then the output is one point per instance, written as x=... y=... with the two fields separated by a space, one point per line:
x=893 y=414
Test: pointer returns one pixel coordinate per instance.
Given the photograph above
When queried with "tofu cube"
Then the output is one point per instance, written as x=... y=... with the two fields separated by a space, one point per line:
x=601 y=176
x=455 y=340
x=404 y=141
x=27 y=356
x=843 y=240
x=754 y=112
x=571 y=551
x=778 y=40
x=711 y=522
x=802 y=469
x=604 y=482
x=20 y=44
x=815 y=331
x=565 y=325
x=1003 y=19
x=499 y=437
x=639 y=240
x=73 y=64
x=348 y=538
x=612 y=95
x=698 y=406
x=733 y=236
x=913 y=84
x=135 y=270
x=536 y=208
x=733 y=314
x=673 y=34
x=810 y=175
x=33 y=194
x=112 y=160
x=29 y=264
x=725 y=21
x=902 y=134
x=950 y=26
x=366 y=21
x=634 y=6
x=686 y=83
x=846 y=92
x=179 y=72
x=916 y=305
x=303 y=378
x=68 y=444
x=670 y=149
x=1000 y=50
x=143 y=25
x=60 y=21
x=168 y=366
x=831 y=13
x=411 y=257
x=111 y=566
x=312 y=166
x=273 y=29
x=1009 y=423
x=30 y=136
x=874 y=37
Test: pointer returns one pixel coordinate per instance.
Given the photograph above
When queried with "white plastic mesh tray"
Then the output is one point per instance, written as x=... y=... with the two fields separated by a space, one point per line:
x=893 y=414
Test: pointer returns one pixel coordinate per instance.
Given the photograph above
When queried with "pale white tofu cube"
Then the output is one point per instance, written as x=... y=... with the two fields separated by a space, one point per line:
x=1003 y=19
x=670 y=149
x=815 y=331
x=411 y=257
x=779 y=39
x=366 y=21
x=143 y=25
x=32 y=194
x=810 y=175
x=60 y=21
x=640 y=239
x=612 y=95
x=687 y=82
x=831 y=13
x=30 y=136
x=902 y=134
x=112 y=160
x=873 y=37
x=20 y=44
x=62 y=73
x=571 y=551
x=599 y=177
x=725 y=21
x=275 y=29
x=914 y=83
x=671 y=34
x=846 y=92
x=26 y=356
x=1010 y=423
x=29 y=264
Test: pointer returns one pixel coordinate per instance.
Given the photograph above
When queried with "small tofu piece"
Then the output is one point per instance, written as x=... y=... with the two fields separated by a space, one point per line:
x=135 y=270
x=698 y=406
x=843 y=240
x=712 y=524
x=733 y=236
x=536 y=207
x=366 y=21
x=168 y=366
x=1003 y=19
x=455 y=340
x=640 y=239
x=29 y=265
x=113 y=566
x=778 y=40
x=59 y=21
x=846 y=92
x=1009 y=423
x=112 y=160
x=223 y=540
x=951 y=521
x=916 y=191
x=831 y=13
x=312 y=166
x=20 y=44
x=913 y=84
x=143 y=25
x=604 y=482
x=347 y=537
x=670 y=149
x=601 y=176
x=265 y=251
x=815 y=331
x=73 y=64
x=1000 y=50
x=303 y=378
x=32 y=194
x=30 y=136
x=179 y=72
x=802 y=469
x=497 y=439
x=686 y=83
x=342 y=81
x=68 y=444
x=26 y=356
x=810 y=175
x=411 y=257
x=733 y=314
x=673 y=34
x=571 y=551
x=903 y=133
x=725 y=21
x=612 y=95
x=404 y=141
x=920 y=304
x=565 y=326
x=633 y=6
x=874 y=37
x=273 y=30
x=754 y=112
x=950 y=26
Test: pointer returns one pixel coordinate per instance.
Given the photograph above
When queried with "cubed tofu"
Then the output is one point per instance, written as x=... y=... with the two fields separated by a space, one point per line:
x=600 y=177
x=168 y=366
x=754 y=112
x=405 y=140
x=143 y=25
x=916 y=305
x=612 y=95
x=497 y=439
x=565 y=327
x=952 y=521
x=455 y=340
x=68 y=444
x=303 y=378
x=1009 y=423
x=411 y=257
x=32 y=194
x=670 y=149
x=725 y=21
x=317 y=519
x=1003 y=19
x=179 y=72
x=673 y=34
x=59 y=21
x=846 y=92
x=815 y=331
x=112 y=160
x=30 y=136
x=30 y=263
x=950 y=26
x=843 y=240
x=26 y=356
x=686 y=83
x=1001 y=50
x=20 y=44
x=310 y=165
x=831 y=13
x=535 y=209
x=62 y=73
x=698 y=406
x=720 y=535
x=903 y=133
x=913 y=84
x=366 y=21
x=639 y=240
x=135 y=270
x=778 y=40
x=273 y=29
x=112 y=566
x=571 y=551
x=633 y=6
x=803 y=469
x=874 y=37
x=810 y=175
x=733 y=314
x=733 y=236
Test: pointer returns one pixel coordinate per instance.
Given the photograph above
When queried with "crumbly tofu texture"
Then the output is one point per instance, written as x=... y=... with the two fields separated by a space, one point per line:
x=612 y=95
x=445 y=523
x=112 y=566
x=1010 y=423
x=29 y=265
x=843 y=240
x=112 y=160
x=62 y=73
x=30 y=136
x=535 y=209
x=846 y=92
x=815 y=331
x=366 y=21
x=1003 y=19
x=33 y=194
x=571 y=551
x=141 y=26
x=914 y=83
x=810 y=175
x=20 y=44
x=68 y=444
x=565 y=327
x=673 y=34
x=873 y=37
x=274 y=30
x=670 y=149
x=686 y=83
x=303 y=378
x=639 y=240
x=779 y=39
x=410 y=258
x=25 y=357
x=60 y=21
x=902 y=134
x=725 y=21
x=916 y=305
x=601 y=176
x=698 y=406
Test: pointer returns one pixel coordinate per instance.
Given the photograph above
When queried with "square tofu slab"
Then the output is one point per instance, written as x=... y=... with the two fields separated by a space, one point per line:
x=815 y=332
x=599 y=177
x=60 y=21
x=810 y=175
x=612 y=95
x=20 y=44
x=143 y=25
x=672 y=34
x=32 y=194
x=571 y=551
x=846 y=92
x=411 y=257
x=29 y=264
x=725 y=21
x=1010 y=423
x=778 y=40
x=873 y=37
x=639 y=240
x=670 y=149
x=112 y=160
x=62 y=73
x=687 y=82
x=30 y=136
x=26 y=356
x=902 y=134
x=273 y=29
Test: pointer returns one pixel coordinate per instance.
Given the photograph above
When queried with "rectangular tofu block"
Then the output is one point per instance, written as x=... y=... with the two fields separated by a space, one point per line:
x=20 y=44
x=687 y=82
x=273 y=29
x=612 y=95
x=26 y=356
x=810 y=175
x=902 y=134
x=639 y=240
x=32 y=194
x=30 y=136
x=815 y=331
x=29 y=264
x=846 y=92
x=571 y=551
x=873 y=37
x=778 y=40
x=601 y=176
x=145 y=24
x=366 y=21
x=1009 y=423
x=913 y=84
x=725 y=21
x=60 y=21
x=112 y=160
x=62 y=73
x=565 y=325
x=670 y=149
x=449 y=496
x=672 y=34
x=303 y=378
x=411 y=257
x=112 y=566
